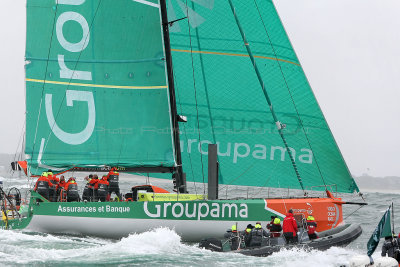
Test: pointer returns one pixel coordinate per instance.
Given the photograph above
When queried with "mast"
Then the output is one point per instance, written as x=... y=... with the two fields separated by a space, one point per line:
x=279 y=125
x=178 y=176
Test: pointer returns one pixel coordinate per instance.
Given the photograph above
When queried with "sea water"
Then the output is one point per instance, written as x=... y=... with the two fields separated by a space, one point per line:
x=163 y=247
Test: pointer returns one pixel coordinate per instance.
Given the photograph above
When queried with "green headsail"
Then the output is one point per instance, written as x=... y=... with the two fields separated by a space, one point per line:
x=96 y=89
x=218 y=90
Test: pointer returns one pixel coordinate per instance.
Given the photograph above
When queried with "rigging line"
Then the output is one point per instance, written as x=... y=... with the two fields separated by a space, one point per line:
x=120 y=150
x=184 y=130
x=20 y=141
x=268 y=178
x=279 y=125
x=283 y=198
x=231 y=181
x=204 y=81
x=195 y=96
x=361 y=206
x=23 y=141
x=45 y=75
x=206 y=93
x=290 y=93
x=72 y=75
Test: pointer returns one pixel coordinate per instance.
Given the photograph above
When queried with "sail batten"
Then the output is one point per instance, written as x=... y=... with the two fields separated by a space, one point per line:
x=96 y=85
x=234 y=55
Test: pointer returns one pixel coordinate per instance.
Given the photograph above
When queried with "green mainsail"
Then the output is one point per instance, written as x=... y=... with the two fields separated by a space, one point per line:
x=218 y=90
x=96 y=87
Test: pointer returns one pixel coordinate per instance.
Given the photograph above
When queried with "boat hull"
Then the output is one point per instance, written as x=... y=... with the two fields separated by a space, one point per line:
x=192 y=220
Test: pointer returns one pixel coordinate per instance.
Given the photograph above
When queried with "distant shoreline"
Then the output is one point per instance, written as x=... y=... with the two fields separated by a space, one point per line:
x=385 y=191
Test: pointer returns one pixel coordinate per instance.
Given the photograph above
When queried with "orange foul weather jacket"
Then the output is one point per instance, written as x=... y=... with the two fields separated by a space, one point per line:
x=42 y=181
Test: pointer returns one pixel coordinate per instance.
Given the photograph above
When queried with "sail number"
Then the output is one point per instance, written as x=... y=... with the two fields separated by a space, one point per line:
x=331 y=214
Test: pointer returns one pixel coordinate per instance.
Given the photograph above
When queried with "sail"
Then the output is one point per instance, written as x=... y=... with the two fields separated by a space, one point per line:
x=218 y=90
x=96 y=87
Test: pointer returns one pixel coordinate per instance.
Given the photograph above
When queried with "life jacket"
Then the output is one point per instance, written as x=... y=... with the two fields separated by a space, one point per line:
x=62 y=184
x=72 y=189
x=92 y=183
x=256 y=236
x=53 y=178
x=102 y=187
x=234 y=240
x=275 y=230
x=42 y=184
x=113 y=179
x=247 y=236
x=311 y=226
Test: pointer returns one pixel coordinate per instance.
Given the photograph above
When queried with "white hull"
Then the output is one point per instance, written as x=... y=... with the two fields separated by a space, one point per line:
x=189 y=230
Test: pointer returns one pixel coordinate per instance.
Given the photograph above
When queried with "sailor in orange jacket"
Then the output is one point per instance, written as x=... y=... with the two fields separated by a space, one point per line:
x=311 y=227
x=101 y=189
x=72 y=190
x=60 y=188
x=53 y=190
x=91 y=185
x=113 y=180
x=42 y=185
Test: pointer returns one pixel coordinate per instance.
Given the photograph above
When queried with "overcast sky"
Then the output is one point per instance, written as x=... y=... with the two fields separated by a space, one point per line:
x=349 y=49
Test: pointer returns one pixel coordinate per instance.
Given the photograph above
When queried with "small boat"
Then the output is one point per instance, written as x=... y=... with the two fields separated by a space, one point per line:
x=338 y=237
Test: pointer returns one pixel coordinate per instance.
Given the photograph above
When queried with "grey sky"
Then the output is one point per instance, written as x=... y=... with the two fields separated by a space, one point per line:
x=349 y=49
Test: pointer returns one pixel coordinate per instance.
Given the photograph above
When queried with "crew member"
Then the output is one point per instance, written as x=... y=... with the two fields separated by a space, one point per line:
x=269 y=225
x=391 y=248
x=71 y=189
x=247 y=234
x=311 y=227
x=101 y=189
x=60 y=188
x=92 y=183
x=87 y=191
x=42 y=186
x=234 y=237
x=290 y=228
x=257 y=235
x=53 y=189
x=275 y=228
x=113 y=180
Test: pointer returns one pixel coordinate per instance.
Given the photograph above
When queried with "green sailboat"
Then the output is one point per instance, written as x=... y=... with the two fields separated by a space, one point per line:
x=144 y=86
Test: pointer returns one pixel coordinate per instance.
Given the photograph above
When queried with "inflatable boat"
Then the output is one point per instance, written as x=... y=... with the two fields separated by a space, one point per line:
x=339 y=237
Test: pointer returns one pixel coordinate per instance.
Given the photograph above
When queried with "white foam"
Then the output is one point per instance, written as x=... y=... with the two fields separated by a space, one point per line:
x=162 y=246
